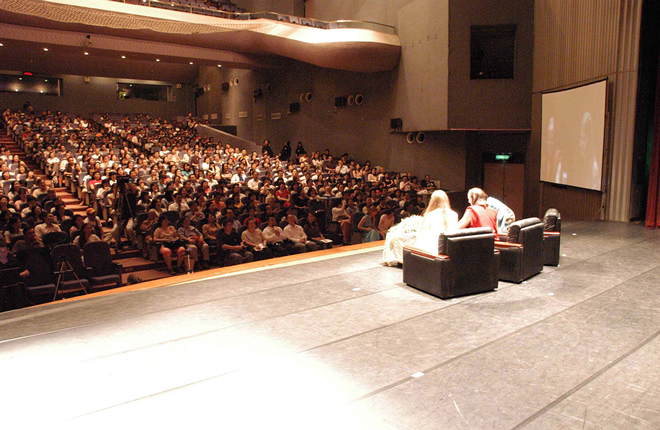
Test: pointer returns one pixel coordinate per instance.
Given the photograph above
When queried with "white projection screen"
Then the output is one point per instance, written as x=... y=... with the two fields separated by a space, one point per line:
x=573 y=135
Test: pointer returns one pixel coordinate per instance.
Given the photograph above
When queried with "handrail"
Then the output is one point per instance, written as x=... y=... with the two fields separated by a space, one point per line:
x=310 y=22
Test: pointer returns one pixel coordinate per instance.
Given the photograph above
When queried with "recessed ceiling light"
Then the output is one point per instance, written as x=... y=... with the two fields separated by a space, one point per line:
x=2 y=44
x=123 y=56
x=219 y=65
x=191 y=63
x=16 y=90
x=45 y=80
x=20 y=79
x=46 y=49
x=41 y=92
x=158 y=59
x=86 y=53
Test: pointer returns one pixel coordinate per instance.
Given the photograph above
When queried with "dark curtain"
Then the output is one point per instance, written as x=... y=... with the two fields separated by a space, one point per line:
x=653 y=200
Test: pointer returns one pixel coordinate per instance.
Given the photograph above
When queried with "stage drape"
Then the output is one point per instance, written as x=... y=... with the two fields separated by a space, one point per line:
x=653 y=200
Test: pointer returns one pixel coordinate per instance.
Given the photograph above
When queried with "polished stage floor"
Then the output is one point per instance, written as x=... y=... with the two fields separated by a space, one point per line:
x=342 y=343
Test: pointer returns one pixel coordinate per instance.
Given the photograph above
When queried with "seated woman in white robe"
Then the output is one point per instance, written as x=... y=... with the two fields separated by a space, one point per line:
x=420 y=232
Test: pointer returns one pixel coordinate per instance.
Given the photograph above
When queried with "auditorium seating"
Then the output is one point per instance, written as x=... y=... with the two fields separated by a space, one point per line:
x=521 y=255
x=466 y=263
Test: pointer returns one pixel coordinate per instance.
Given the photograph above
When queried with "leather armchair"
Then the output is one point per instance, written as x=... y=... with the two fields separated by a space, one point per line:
x=521 y=256
x=551 y=237
x=466 y=263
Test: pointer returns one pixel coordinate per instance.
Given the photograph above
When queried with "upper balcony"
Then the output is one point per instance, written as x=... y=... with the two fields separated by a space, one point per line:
x=250 y=40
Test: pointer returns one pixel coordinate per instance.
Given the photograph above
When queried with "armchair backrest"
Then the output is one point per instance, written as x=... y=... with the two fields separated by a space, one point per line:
x=453 y=241
x=552 y=220
x=520 y=230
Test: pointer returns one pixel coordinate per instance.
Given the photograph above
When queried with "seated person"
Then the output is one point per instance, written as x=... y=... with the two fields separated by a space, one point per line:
x=255 y=241
x=31 y=241
x=195 y=242
x=505 y=215
x=168 y=238
x=368 y=226
x=340 y=215
x=231 y=249
x=48 y=226
x=86 y=236
x=478 y=214
x=275 y=238
x=313 y=231
x=296 y=234
x=421 y=232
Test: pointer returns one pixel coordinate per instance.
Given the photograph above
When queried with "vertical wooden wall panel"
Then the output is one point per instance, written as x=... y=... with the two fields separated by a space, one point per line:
x=578 y=42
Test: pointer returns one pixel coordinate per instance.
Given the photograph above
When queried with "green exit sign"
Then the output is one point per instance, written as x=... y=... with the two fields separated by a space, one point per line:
x=502 y=157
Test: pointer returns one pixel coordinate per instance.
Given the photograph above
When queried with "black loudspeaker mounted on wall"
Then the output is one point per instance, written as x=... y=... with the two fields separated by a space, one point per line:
x=340 y=102
x=396 y=124
x=225 y=86
x=294 y=107
x=257 y=93
x=199 y=91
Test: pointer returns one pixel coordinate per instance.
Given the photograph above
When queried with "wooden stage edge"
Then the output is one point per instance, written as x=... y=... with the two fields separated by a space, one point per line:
x=238 y=269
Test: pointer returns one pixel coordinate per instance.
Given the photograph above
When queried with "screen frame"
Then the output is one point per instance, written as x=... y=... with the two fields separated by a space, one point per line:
x=606 y=137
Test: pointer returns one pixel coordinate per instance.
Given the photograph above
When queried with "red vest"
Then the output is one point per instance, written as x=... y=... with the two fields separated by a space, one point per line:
x=483 y=217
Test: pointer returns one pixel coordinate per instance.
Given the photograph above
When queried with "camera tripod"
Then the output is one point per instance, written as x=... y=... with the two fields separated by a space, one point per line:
x=64 y=268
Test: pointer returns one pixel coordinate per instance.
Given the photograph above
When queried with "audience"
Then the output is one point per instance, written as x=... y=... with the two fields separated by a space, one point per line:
x=168 y=166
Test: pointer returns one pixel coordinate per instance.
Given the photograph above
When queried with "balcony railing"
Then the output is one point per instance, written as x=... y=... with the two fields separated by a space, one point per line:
x=326 y=25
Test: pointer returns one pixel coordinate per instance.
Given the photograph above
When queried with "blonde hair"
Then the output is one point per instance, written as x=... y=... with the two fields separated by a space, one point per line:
x=439 y=202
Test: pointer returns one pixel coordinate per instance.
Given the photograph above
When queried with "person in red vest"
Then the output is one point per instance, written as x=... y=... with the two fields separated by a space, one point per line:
x=478 y=214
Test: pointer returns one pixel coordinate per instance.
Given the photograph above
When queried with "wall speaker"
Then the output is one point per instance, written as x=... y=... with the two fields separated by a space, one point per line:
x=340 y=101
x=267 y=87
x=294 y=108
x=257 y=93
x=308 y=97
x=225 y=86
x=359 y=99
x=410 y=137
x=421 y=137
x=351 y=100
x=396 y=124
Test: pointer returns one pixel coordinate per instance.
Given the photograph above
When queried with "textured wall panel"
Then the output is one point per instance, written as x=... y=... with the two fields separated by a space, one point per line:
x=578 y=42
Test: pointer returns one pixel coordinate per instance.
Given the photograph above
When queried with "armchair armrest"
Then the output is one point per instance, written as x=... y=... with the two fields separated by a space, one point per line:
x=422 y=253
x=505 y=245
x=551 y=233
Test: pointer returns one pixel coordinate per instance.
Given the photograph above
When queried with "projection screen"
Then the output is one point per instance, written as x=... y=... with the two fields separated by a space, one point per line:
x=573 y=136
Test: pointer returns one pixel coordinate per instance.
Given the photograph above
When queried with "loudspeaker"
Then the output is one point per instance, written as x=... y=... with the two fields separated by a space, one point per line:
x=225 y=86
x=294 y=107
x=257 y=93
x=396 y=124
x=340 y=101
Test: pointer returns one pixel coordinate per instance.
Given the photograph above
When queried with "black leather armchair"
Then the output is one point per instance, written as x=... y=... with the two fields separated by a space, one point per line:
x=551 y=237
x=521 y=256
x=466 y=263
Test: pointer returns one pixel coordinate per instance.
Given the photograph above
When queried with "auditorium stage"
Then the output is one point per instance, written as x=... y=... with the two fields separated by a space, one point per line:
x=341 y=343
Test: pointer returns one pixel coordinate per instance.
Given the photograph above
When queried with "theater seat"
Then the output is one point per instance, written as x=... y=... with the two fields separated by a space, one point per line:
x=466 y=263
x=521 y=256
x=551 y=237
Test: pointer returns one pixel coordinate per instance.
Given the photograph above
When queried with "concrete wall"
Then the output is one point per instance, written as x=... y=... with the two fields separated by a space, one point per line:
x=100 y=96
x=490 y=103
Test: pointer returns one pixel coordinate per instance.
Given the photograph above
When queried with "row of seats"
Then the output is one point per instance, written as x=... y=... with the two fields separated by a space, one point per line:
x=471 y=261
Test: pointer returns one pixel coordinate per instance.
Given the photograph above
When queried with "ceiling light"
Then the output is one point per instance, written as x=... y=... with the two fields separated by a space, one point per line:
x=158 y=59
x=45 y=80
x=46 y=49
x=41 y=92
x=191 y=63
x=123 y=56
x=219 y=65
x=86 y=53
x=2 y=44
